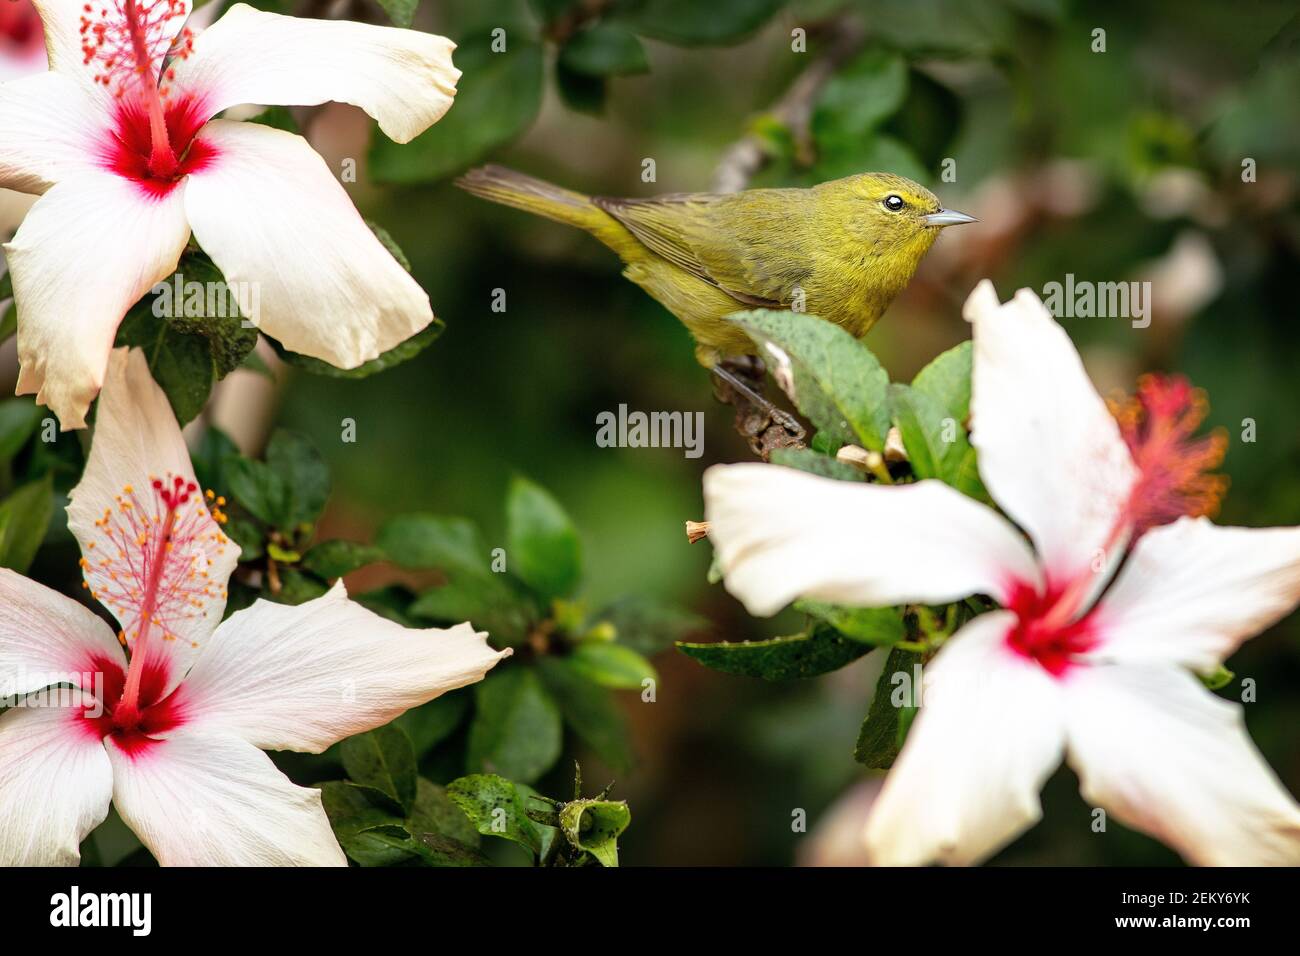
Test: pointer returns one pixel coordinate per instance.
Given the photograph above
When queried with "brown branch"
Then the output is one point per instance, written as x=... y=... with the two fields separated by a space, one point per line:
x=743 y=159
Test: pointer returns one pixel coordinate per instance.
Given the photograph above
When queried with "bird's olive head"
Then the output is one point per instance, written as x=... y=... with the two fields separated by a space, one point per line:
x=894 y=210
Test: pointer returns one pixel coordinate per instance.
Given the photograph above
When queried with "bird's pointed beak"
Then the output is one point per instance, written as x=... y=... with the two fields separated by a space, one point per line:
x=948 y=217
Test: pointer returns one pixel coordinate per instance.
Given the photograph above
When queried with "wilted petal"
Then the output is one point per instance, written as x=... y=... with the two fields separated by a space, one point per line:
x=403 y=78
x=48 y=638
x=151 y=551
x=781 y=534
x=211 y=799
x=48 y=129
x=1192 y=591
x=55 y=785
x=989 y=733
x=305 y=677
x=121 y=242
x=1156 y=749
x=1049 y=450
x=309 y=271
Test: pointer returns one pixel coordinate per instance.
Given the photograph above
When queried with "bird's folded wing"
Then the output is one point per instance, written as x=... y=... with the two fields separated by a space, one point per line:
x=736 y=242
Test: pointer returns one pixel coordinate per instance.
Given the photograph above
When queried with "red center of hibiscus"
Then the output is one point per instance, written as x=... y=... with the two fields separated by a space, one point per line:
x=1041 y=634
x=20 y=28
x=127 y=44
x=151 y=567
x=136 y=726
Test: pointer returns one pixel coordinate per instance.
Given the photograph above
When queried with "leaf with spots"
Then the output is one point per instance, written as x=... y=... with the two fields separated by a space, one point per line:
x=496 y=808
x=811 y=654
x=832 y=377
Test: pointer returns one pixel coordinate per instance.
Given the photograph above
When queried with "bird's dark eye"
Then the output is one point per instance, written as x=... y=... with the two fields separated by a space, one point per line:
x=894 y=203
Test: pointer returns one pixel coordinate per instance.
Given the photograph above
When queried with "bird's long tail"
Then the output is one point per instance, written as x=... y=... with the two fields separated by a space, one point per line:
x=541 y=198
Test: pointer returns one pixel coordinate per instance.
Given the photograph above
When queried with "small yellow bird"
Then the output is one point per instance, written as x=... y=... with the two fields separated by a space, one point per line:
x=841 y=250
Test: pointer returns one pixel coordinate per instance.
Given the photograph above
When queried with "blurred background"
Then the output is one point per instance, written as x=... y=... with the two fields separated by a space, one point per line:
x=1170 y=155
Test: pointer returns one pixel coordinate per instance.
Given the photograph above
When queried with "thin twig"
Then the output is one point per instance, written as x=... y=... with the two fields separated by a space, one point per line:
x=743 y=159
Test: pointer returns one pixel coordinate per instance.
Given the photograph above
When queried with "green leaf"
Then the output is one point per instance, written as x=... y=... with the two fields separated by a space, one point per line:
x=18 y=420
x=541 y=542
x=815 y=463
x=935 y=439
x=431 y=723
x=421 y=541
x=516 y=729
x=811 y=654
x=498 y=97
x=878 y=626
x=647 y=626
x=388 y=242
x=486 y=601
x=848 y=156
x=604 y=49
x=691 y=23
x=434 y=812
x=295 y=459
x=398 y=354
x=334 y=559
x=401 y=12
x=191 y=331
x=890 y=713
x=209 y=459
x=496 y=808
x=860 y=96
x=24 y=518
x=248 y=535
x=611 y=665
x=581 y=92
x=373 y=832
x=278 y=117
x=947 y=380
x=384 y=760
x=590 y=710
x=595 y=826
x=354 y=815
x=444 y=851
x=298 y=587
x=832 y=377
x=261 y=490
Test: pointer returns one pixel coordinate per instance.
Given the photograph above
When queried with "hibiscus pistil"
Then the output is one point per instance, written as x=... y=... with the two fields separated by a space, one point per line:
x=127 y=45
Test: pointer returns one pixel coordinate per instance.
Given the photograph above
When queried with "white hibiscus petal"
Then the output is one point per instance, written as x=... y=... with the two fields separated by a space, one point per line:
x=308 y=269
x=1156 y=749
x=990 y=731
x=402 y=78
x=122 y=242
x=48 y=131
x=48 y=638
x=141 y=554
x=781 y=534
x=1050 y=452
x=211 y=799
x=55 y=785
x=305 y=677
x=1191 y=592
